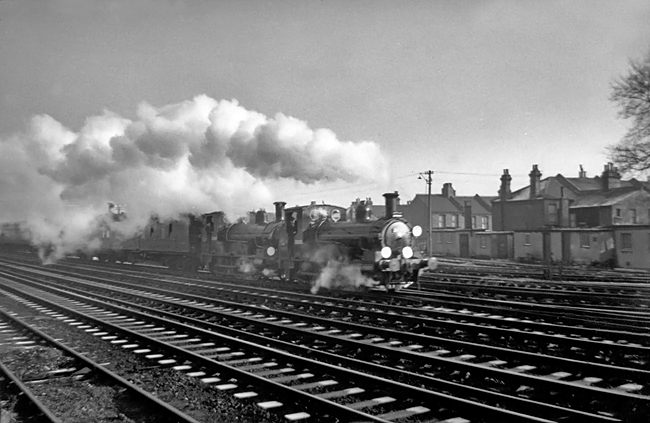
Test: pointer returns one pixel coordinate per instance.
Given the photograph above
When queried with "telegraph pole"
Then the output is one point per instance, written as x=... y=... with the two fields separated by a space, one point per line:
x=427 y=176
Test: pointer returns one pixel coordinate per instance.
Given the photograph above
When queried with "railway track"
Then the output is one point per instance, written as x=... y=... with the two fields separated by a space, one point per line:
x=600 y=318
x=610 y=296
x=404 y=350
x=578 y=313
x=565 y=273
x=74 y=371
x=619 y=296
x=272 y=372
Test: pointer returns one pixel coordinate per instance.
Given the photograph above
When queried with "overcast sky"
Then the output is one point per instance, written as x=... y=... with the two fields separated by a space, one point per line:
x=464 y=88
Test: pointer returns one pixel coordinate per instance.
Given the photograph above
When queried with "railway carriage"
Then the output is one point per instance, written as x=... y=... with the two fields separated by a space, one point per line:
x=14 y=236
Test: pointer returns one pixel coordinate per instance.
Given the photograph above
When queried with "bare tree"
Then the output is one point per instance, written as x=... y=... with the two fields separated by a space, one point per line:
x=632 y=94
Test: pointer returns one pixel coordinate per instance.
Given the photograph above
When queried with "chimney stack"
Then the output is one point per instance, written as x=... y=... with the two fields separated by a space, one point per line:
x=447 y=190
x=610 y=177
x=535 y=176
x=504 y=192
x=391 y=203
x=279 y=210
x=582 y=173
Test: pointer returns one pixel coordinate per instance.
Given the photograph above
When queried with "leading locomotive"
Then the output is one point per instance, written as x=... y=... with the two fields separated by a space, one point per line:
x=318 y=243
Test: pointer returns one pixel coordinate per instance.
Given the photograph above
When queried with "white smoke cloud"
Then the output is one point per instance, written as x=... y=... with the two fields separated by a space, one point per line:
x=197 y=156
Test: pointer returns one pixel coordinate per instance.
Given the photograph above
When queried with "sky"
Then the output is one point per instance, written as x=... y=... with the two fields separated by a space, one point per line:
x=465 y=89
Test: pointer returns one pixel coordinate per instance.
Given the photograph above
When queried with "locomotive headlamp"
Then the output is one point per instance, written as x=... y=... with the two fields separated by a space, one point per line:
x=386 y=252
x=270 y=251
x=416 y=231
x=407 y=252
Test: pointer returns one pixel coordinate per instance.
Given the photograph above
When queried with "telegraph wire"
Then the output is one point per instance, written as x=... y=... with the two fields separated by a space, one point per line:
x=370 y=184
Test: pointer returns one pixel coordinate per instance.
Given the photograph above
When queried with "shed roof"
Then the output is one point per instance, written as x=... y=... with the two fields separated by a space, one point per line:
x=605 y=199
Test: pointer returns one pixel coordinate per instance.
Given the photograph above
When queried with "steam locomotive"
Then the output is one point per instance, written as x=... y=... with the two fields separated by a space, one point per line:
x=317 y=243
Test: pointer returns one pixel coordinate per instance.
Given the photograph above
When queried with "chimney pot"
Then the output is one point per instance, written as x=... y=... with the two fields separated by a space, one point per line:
x=504 y=192
x=448 y=190
x=535 y=176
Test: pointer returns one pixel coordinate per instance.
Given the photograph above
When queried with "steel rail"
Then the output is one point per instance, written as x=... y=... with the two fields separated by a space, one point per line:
x=411 y=391
x=356 y=344
x=567 y=316
x=585 y=316
x=12 y=379
x=464 y=345
x=167 y=412
x=414 y=318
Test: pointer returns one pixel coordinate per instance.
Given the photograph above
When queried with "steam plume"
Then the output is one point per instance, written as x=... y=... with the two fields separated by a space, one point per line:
x=336 y=271
x=196 y=156
x=340 y=275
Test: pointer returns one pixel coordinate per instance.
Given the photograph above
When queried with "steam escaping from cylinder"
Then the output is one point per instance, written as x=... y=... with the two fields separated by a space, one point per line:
x=197 y=156
x=341 y=275
x=337 y=272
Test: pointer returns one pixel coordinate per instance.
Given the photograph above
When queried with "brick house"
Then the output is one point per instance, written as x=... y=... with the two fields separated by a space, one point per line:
x=449 y=210
x=563 y=202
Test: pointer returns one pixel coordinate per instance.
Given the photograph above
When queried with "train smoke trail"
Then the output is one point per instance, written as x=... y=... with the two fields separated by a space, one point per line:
x=196 y=156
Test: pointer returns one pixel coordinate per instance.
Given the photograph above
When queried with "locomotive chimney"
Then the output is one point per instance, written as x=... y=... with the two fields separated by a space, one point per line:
x=251 y=217
x=391 y=203
x=279 y=210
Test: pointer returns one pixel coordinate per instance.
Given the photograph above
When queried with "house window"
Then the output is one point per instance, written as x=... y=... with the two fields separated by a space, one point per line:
x=151 y=231
x=584 y=240
x=574 y=220
x=626 y=241
x=439 y=237
x=483 y=241
x=526 y=239
x=473 y=222
x=450 y=237
x=169 y=230
x=484 y=222
x=618 y=212
x=633 y=214
x=551 y=210
x=441 y=221
x=454 y=220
